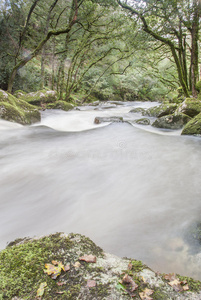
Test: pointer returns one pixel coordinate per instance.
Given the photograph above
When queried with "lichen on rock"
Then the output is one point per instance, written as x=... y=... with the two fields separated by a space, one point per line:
x=190 y=107
x=40 y=97
x=161 y=110
x=193 y=127
x=60 y=105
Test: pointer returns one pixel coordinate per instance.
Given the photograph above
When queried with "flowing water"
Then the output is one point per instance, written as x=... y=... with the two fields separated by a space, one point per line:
x=132 y=189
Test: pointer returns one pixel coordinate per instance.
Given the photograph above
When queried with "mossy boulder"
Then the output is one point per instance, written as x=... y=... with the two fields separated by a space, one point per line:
x=106 y=276
x=161 y=110
x=16 y=110
x=138 y=110
x=142 y=121
x=190 y=107
x=176 y=121
x=40 y=97
x=60 y=105
x=193 y=127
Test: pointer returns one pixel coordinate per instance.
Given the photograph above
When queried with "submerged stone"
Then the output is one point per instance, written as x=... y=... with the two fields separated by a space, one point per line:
x=99 y=120
x=143 y=121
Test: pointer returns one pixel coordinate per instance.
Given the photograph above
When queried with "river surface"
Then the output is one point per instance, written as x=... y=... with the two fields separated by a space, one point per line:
x=134 y=190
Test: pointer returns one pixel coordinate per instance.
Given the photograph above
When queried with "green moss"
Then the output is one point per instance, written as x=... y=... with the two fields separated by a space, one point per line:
x=193 y=127
x=137 y=265
x=40 y=97
x=198 y=86
x=21 y=269
x=176 y=121
x=159 y=295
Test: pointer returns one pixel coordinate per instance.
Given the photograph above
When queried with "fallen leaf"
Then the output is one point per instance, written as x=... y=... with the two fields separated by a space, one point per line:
x=170 y=276
x=145 y=295
x=88 y=258
x=67 y=268
x=130 y=266
x=127 y=279
x=77 y=265
x=185 y=287
x=54 y=270
x=91 y=283
x=60 y=283
x=59 y=292
x=120 y=286
x=41 y=289
x=176 y=285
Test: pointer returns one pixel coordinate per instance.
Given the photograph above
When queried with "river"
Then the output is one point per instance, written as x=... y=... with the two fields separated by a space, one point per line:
x=133 y=189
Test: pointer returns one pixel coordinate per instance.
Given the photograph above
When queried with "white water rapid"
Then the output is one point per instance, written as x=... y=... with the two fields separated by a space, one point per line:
x=134 y=190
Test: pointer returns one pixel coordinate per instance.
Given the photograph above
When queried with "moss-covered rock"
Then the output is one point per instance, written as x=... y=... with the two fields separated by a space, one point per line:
x=60 y=105
x=16 y=110
x=190 y=107
x=161 y=110
x=193 y=127
x=40 y=97
x=142 y=121
x=176 y=121
x=108 y=277
x=138 y=110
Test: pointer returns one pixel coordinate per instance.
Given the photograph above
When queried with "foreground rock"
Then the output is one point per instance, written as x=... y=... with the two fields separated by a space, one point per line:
x=176 y=121
x=193 y=127
x=71 y=266
x=99 y=120
x=16 y=110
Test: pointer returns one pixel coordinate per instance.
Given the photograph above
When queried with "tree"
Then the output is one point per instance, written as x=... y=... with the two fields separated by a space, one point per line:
x=170 y=23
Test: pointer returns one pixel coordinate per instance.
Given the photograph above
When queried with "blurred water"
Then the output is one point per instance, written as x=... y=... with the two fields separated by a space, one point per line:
x=133 y=191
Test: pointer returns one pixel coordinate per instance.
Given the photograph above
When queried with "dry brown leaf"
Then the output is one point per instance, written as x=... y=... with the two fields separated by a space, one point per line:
x=77 y=265
x=91 y=283
x=176 y=285
x=60 y=283
x=170 y=276
x=145 y=295
x=185 y=287
x=88 y=258
x=130 y=266
x=128 y=280
x=67 y=268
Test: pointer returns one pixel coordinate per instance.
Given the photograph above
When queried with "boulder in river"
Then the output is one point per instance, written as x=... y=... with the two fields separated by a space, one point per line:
x=190 y=107
x=16 y=110
x=161 y=110
x=142 y=121
x=193 y=127
x=138 y=110
x=176 y=121
x=60 y=105
x=40 y=97
x=99 y=120
x=62 y=266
